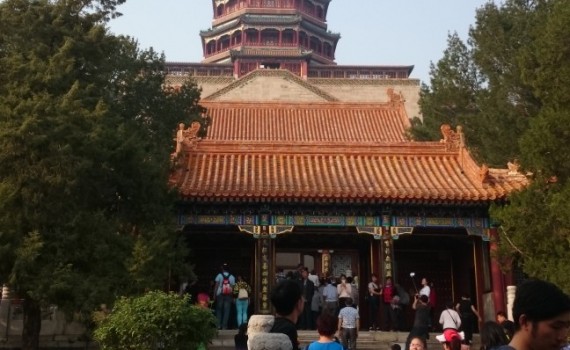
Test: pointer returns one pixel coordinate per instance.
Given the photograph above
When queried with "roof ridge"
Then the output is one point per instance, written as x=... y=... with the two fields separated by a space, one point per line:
x=271 y=72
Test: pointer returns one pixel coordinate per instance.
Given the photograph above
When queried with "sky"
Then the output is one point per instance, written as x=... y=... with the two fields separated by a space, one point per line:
x=373 y=32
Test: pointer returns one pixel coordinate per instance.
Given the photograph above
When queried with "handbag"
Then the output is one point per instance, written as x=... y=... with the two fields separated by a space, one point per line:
x=242 y=293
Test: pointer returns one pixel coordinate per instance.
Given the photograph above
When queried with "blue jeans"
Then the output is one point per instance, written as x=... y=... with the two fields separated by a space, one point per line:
x=241 y=310
x=223 y=305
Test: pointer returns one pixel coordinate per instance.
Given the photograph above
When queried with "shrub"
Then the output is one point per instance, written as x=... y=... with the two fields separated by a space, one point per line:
x=156 y=320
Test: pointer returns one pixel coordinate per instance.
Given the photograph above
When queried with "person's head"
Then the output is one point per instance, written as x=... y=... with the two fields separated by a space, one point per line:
x=203 y=300
x=388 y=281
x=424 y=281
x=450 y=339
x=449 y=304
x=239 y=278
x=287 y=299
x=541 y=313
x=395 y=347
x=327 y=324
x=418 y=343
x=501 y=317
x=224 y=267
x=374 y=278
x=348 y=301
x=349 y=280
x=342 y=279
x=305 y=273
x=492 y=335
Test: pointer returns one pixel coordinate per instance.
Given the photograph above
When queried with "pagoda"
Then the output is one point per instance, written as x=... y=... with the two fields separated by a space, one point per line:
x=272 y=34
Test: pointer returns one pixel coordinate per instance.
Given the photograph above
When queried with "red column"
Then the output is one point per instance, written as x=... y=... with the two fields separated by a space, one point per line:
x=496 y=274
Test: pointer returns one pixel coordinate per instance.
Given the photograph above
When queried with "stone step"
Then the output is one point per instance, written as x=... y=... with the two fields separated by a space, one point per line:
x=366 y=339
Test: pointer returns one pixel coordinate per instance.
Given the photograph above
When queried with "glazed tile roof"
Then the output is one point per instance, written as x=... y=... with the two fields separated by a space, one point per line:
x=314 y=122
x=330 y=152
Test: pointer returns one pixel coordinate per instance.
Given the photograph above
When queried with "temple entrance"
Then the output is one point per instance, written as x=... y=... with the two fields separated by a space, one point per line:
x=445 y=257
x=328 y=251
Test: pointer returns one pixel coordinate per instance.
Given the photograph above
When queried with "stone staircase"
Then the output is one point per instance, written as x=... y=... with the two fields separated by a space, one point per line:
x=376 y=340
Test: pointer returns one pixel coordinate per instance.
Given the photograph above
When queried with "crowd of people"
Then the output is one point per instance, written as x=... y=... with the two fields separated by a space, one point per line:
x=303 y=300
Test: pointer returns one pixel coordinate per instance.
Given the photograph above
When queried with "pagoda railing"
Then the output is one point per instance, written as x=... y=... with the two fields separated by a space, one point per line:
x=270 y=4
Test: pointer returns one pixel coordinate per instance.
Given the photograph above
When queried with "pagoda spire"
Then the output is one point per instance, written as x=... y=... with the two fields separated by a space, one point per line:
x=280 y=34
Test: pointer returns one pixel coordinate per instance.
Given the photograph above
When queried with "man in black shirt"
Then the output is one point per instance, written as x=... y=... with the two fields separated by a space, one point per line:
x=287 y=299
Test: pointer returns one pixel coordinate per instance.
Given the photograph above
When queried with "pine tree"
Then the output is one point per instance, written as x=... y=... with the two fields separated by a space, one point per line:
x=86 y=130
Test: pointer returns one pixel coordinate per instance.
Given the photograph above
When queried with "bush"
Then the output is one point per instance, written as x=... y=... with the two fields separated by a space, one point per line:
x=156 y=320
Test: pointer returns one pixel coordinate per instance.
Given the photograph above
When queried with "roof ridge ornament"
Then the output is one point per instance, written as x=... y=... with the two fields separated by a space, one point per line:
x=186 y=138
x=453 y=140
x=395 y=97
x=513 y=167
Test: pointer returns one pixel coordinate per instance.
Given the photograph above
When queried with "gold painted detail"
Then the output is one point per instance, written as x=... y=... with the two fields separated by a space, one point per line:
x=397 y=231
x=388 y=252
x=270 y=231
x=375 y=231
x=265 y=264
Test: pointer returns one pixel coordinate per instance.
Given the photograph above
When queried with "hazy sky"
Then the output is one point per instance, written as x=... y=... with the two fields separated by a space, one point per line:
x=373 y=32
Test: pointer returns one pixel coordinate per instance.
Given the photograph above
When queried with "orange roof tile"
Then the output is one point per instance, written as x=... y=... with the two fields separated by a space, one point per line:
x=404 y=172
x=306 y=123
x=330 y=151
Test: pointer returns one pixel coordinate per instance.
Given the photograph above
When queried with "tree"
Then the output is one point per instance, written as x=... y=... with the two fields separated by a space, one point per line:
x=536 y=224
x=156 y=320
x=519 y=108
x=451 y=98
x=86 y=130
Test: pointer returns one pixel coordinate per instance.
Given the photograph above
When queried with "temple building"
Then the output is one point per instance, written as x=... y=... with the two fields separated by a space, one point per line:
x=306 y=161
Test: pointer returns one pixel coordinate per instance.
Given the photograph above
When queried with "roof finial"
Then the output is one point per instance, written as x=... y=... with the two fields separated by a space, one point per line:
x=453 y=140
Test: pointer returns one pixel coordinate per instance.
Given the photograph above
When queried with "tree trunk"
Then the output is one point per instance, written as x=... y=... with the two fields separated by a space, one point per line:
x=32 y=325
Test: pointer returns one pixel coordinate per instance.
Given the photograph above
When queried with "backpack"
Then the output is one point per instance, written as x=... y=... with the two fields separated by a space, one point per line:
x=226 y=286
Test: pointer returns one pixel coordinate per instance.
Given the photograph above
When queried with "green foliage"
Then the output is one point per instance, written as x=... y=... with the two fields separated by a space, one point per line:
x=451 y=97
x=86 y=130
x=517 y=106
x=535 y=228
x=155 y=320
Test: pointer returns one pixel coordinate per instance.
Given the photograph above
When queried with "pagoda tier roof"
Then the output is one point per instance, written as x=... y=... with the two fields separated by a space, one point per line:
x=263 y=51
x=329 y=152
x=277 y=20
x=220 y=28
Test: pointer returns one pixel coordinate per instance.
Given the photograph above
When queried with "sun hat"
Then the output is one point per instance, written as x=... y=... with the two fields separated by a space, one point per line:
x=449 y=334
